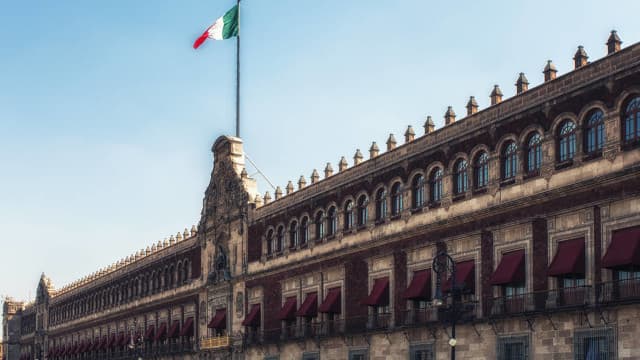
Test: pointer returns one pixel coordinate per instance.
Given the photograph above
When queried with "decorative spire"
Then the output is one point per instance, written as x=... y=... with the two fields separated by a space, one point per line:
x=178 y=236
x=580 y=58
x=449 y=116
x=289 y=187
x=472 y=106
x=258 y=200
x=301 y=182
x=315 y=177
x=522 y=84
x=613 y=44
x=172 y=240
x=328 y=170
x=374 y=150
x=496 y=95
x=343 y=164
x=194 y=230
x=243 y=173
x=429 y=126
x=391 y=142
x=549 y=71
x=267 y=198
x=185 y=234
x=409 y=135
x=278 y=193
x=357 y=157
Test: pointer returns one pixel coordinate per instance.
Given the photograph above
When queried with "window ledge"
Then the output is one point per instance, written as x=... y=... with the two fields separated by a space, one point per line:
x=532 y=174
x=395 y=217
x=459 y=197
x=435 y=204
x=564 y=164
x=481 y=190
x=592 y=155
x=507 y=182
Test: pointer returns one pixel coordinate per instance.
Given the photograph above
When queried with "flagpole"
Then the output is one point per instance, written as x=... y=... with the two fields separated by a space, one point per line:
x=238 y=75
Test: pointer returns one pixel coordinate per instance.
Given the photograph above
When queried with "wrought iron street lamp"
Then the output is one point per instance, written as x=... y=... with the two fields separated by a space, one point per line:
x=443 y=264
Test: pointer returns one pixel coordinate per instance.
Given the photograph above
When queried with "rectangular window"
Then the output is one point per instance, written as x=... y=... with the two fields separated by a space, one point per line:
x=421 y=352
x=359 y=354
x=272 y=357
x=311 y=356
x=598 y=343
x=513 y=348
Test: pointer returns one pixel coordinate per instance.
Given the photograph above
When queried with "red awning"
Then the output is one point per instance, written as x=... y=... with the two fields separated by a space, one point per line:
x=87 y=345
x=162 y=331
x=569 y=258
x=187 y=327
x=219 y=320
x=288 y=311
x=174 y=330
x=624 y=249
x=379 y=295
x=112 y=340
x=465 y=275
x=253 y=317
x=121 y=339
x=420 y=287
x=332 y=303
x=510 y=270
x=309 y=307
x=149 y=334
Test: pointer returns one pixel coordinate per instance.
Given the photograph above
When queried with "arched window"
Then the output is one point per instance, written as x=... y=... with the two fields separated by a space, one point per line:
x=348 y=215
x=460 y=177
x=293 y=234
x=381 y=204
x=304 y=230
x=631 y=117
x=319 y=223
x=396 y=199
x=417 y=191
x=332 y=223
x=509 y=160
x=279 y=239
x=435 y=185
x=567 y=141
x=594 y=132
x=481 y=170
x=362 y=210
x=270 y=242
x=534 y=153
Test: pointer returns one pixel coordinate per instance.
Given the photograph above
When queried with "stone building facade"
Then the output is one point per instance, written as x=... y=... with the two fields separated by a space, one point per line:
x=536 y=199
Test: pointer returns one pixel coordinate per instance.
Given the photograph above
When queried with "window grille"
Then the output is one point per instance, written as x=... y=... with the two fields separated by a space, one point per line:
x=272 y=357
x=422 y=352
x=597 y=343
x=513 y=348
x=311 y=356
x=360 y=354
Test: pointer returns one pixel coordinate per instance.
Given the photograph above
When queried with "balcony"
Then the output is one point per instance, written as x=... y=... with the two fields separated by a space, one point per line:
x=618 y=292
x=571 y=297
x=213 y=343
x=377 y=321
x=423 y=316
x=330 y=328
x=548 y=300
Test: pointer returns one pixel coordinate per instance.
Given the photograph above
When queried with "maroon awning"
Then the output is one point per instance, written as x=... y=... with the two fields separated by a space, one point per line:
x=162 y=331
x=288 y=310
x=510 y=270
x=569 y=258
x=87 y=345
x=112 y=340
x=379 y=295
x=309 y=307
x=187 y=327
x=624 y=249
x=149 y=334
x=332 y=302
x=253 y=317
x=174 y=330
x=122 y=340
x=103 y=342
x=219 y=320
x=420 y=287
x=465 y=274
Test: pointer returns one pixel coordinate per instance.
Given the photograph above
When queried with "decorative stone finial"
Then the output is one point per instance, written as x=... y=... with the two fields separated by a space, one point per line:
x=496 y=95
x=472 y=106
x=166 y=242
x=580 y=58
x=429 y=126
x=549 y=71
x=185 y=234
x=343 y=164
x=278 y=192
x=391 y=142
x=301 y=182
x=148 y=250
x=154 y=247
x=178 y=236
x=315 y=177
x=328 y=170
x=159 y=245
x=194 y=230
x=613 y=43
x=258 y=200
x=289 y=187
x=449 y=116
x=172 y=240
x=357 y=157
x=267 y=198
x=374 y=150
x=522 y=84
x=243 y=173
x=409 y=135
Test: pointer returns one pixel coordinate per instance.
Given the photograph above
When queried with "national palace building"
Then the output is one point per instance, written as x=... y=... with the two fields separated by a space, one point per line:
x=535 y=199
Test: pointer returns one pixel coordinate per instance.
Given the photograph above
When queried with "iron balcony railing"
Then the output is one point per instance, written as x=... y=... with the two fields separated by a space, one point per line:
x=548 y=300
x=619 y=291
x=215 y=342
x=419 y=316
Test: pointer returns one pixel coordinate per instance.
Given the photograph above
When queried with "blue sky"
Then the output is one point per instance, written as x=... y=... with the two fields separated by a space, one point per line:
x=107 y=114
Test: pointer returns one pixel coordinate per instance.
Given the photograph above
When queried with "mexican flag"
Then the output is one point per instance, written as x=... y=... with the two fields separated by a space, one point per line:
x=224 y=28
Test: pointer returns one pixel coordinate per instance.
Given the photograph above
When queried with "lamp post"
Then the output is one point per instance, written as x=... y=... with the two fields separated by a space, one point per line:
x=135 y=343
x=443 y=264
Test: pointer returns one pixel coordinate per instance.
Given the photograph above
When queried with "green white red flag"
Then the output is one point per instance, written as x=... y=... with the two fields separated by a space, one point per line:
x=223 y=28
